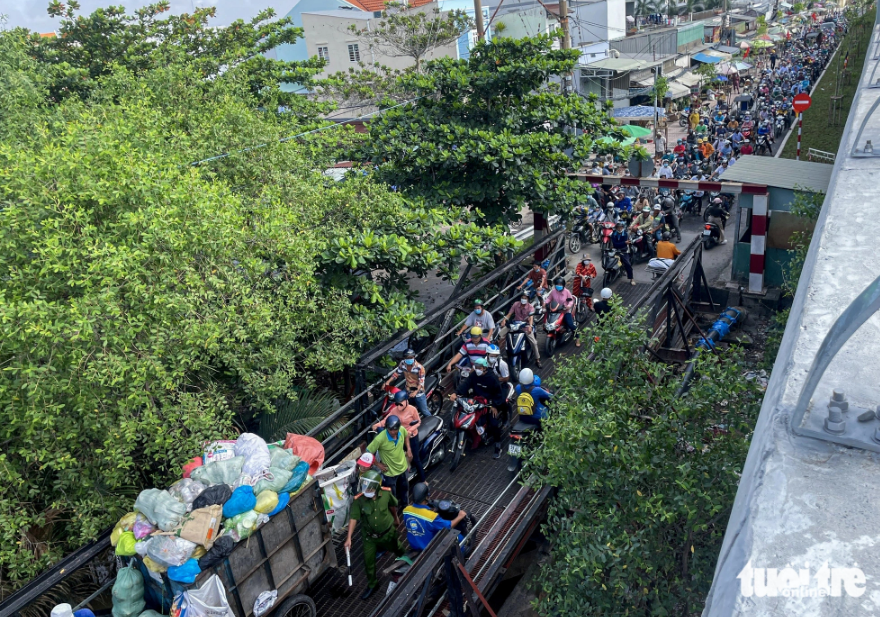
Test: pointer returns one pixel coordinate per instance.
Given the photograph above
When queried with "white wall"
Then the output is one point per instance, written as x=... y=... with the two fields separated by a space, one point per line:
x=598 y=21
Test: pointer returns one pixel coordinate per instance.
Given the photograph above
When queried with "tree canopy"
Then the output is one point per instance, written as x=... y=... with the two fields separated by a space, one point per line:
x=491 y=132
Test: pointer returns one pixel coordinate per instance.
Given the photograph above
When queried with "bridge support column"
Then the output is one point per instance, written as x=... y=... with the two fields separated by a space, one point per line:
x=759 y=244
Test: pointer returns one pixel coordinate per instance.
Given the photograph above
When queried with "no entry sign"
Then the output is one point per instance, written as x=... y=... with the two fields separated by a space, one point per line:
x=801 y=102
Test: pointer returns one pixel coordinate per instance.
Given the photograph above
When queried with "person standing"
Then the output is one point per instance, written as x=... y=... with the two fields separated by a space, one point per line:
x=375 y=507
x=661 y=145
x=693 y=119
x=414 y=381
x=394 y=451
x=410 y=421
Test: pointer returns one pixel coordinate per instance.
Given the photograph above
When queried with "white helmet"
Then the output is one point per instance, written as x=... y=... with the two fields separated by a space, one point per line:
x=526 y=377
x=606 y=293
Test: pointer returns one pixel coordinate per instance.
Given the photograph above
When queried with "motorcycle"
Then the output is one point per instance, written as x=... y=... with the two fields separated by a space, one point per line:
x=643 y=247
x=519 y=351
x=469 y=419
x=432 y=395
x=764 y=146
x=779 y=127
x=554 y=325
x=711 y=235
x=688 y=203
x=518 y=433
x=607 y=230
x=612 y=265
x=585 y=230
x=432 y=444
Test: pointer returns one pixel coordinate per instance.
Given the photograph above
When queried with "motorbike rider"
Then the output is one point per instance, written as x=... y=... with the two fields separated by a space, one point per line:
x=395 y=452
x=715 y=214
x=497 y=364
x=409 y=420
x=479 y=317
x=620 y=241
x=539 y=397
x=414 y=378
x=644 y=221
x=584 y=275
x=666 y=249
x=560 y=295
x=603 y=306
x=668 y=208
x=484 y=383
x=538 y=276
x=473 y=349
x=523 y=311
x=746 y=148
x=665 y=170
x=659 y=222
x=422 y=522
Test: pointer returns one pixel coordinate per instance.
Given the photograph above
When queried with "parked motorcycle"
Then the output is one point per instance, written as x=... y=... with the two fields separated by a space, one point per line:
x=519 y=351
x=554 y=325
x=612 y=265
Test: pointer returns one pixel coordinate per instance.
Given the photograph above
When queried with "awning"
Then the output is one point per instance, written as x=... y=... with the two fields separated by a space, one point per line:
x=689 y=80
x=728 y=50
x=719 y=54
x=643 y=83
x=706 y=59
x=637 y=112
x=677 y=90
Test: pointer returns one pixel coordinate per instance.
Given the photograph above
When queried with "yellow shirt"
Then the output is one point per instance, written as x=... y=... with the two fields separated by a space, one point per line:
x=667 y=250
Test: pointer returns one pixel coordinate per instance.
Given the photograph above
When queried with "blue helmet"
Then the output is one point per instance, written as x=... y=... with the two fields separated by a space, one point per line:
x=400 y=396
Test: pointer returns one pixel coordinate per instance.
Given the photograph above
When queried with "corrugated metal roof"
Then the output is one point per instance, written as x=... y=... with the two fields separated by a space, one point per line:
x=618 y=64
x=782 y=173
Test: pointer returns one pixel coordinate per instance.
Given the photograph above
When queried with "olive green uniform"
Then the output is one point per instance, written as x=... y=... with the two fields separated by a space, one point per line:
x=377 y=528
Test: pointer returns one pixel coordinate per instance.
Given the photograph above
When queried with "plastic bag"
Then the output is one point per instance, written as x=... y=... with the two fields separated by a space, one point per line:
x=169 y=551
x=124 y=524
x=160 y=508
x=186 y=491
x=142 y=527
x=209 y=600
x=308 y=449
x=264 y=602
x=242 y=500
x=221 y=549
x=299 y=475
x=152 y=566
x=243 y=525
x=285 y=459
x=283 y=500
x=336 y=484
x=219 y=472
x=255 y=451
x=128 y=593
x=219 y=451
x=266 y=502
x=191 y=465
x=213 y=495
x=150 y=613
x=185 y=573
x=274 y=479
x=126 y=544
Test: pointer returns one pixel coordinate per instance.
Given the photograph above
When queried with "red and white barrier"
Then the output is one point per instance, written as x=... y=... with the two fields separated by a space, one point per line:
x=759 y=210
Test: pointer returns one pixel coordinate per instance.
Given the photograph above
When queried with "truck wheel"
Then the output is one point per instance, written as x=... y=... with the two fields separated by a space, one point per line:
x=297 y=606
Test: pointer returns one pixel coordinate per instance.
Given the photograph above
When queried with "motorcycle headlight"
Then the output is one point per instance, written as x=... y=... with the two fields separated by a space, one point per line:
x=467 y=407
x=550 y=326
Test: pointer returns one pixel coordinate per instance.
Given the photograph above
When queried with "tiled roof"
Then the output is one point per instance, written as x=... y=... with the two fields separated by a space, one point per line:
x=378 y=5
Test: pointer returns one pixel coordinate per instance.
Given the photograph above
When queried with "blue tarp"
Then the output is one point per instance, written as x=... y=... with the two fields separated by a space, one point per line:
x=707 y=59
x=637 y=111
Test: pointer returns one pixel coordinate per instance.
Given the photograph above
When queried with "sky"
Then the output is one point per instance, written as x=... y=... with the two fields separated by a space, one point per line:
x=32 y=14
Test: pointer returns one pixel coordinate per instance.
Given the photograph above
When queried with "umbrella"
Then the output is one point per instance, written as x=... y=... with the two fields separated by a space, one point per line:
x=726 y=68
x=762 y=44
x=719 y=78
x=744 y=45
x=763 y=37
x=636 y=131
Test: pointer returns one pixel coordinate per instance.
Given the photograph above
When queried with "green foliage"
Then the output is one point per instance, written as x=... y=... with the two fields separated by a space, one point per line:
x=489 y=133
x=660 y=88
x=706 y=71
x=762 y=25
x=646 y=481
x=798 y=7
x=408 y=32
x=298 y=415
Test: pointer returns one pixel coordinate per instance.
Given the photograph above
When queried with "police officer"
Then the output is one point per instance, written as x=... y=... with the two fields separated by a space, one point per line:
x=372 y=508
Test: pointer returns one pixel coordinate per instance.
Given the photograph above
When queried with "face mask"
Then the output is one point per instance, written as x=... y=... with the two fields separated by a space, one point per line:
x=478 y=311
x=559 y=288
x=523 y=301
x=369 y=495
x=410 y=361
x=586 y=263
x=479 y=371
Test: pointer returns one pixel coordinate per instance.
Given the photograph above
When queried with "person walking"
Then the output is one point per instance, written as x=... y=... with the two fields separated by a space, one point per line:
x=375 y=507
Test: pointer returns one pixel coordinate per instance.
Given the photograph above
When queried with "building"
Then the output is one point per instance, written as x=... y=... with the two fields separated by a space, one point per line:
x=782 y=177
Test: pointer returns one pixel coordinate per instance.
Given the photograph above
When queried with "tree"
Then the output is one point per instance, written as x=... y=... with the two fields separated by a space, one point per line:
x=489 y=133
x=762 y=25
x=660 y=87
x=413 y=32
x=645 y=480
x=706 y=71
x=798 y=7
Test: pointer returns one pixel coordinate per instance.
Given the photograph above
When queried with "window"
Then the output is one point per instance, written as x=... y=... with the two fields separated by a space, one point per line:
x=324 y=53
x=354 y=53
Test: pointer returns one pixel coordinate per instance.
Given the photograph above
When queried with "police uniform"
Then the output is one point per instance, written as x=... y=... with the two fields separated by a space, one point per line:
x=377 y=528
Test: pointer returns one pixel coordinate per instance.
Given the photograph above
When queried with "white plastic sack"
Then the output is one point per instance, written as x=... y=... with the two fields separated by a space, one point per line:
x=209 y=600
x=255 y=453
x=160 y=508
x=186 y=491
x=285 y=459
x=264 y=602
x=169 y=551
x=660 y=264
x=219 y=472
x=336 y=484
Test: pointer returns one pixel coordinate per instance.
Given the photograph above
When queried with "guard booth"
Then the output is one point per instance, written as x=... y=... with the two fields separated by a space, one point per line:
x=783 y=178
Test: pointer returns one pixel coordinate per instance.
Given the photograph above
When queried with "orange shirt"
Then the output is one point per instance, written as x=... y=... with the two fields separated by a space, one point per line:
x=667 y=250
x=409 y=414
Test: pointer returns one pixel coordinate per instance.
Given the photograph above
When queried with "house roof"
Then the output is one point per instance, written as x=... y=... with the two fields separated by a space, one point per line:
x=344 y=13
x=378 y=5
x=780 y=173
x=706 y=59
x=618 y=64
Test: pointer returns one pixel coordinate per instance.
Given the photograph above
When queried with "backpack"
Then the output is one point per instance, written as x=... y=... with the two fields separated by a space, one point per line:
x=525 y=404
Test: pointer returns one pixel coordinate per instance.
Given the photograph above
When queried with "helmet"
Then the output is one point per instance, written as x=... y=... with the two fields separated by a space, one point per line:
x=366 y=460
x=493 y=350
x=476 y=331
x=646 y=209
x=619 y=224
x=667 y=236
x=478 y=302
x=559 y=281
x=409 y=353
x=392 y=422
x=717 y=200
x=481 y=362
x=369 y=483
x=526 y=377
x=400 y=396
x=419 y=492
x=606 y=293
x=657 y=207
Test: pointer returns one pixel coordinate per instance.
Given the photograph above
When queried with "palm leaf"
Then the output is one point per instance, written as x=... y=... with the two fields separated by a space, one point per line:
x=299 y=416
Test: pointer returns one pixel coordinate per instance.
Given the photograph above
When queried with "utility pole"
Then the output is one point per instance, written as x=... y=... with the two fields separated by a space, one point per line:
x=478 y=18
x=566 y=41
x=655 y=109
